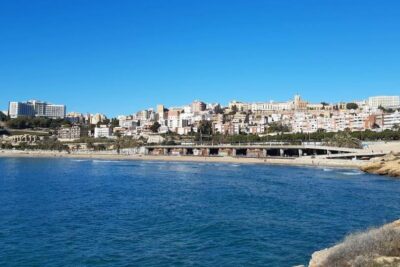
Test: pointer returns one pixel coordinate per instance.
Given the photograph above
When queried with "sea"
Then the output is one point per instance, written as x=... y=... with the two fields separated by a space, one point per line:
x=84 y=212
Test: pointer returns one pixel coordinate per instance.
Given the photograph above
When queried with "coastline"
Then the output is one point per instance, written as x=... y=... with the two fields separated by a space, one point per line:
x=303 y=161
x=373 y=247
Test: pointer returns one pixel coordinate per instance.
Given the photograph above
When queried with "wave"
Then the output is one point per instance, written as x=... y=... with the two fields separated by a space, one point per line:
x=105 y=161
x=351 y=173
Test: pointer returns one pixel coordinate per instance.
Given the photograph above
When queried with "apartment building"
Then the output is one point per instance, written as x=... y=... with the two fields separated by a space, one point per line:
x=391 y=120
x=102 y=131
x=384 y=101
x=69 y=133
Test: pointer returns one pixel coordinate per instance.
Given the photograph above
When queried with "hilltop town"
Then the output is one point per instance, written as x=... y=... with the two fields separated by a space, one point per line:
x=40 y=125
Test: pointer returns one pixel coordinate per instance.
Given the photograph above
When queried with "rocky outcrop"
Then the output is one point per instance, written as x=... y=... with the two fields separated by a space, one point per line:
x=378 y=247
x=387 y=165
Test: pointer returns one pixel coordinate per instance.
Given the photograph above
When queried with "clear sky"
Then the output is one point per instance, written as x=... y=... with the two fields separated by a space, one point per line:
x=118 y=56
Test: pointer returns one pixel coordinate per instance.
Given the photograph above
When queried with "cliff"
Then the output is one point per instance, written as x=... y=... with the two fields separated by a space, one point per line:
x=387 y=165
x=379 y=247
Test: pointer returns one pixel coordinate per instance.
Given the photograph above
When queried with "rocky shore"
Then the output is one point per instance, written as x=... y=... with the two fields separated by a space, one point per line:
x=387 y=165
x=379 y=247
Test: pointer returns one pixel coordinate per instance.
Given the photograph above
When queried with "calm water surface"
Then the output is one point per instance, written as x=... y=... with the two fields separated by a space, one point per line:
x=65 y=212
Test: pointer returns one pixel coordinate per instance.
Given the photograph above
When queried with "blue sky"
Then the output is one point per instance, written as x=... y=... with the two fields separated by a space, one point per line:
x=120 y=56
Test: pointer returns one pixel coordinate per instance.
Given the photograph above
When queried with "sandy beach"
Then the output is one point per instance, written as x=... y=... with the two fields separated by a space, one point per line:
x=303 y=161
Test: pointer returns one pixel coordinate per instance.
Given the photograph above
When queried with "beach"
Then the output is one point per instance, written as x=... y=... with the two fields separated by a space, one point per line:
x=302 y=161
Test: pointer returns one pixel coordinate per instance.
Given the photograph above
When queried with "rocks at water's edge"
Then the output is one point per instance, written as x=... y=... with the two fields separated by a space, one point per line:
x=378 y=247
x=387 y=165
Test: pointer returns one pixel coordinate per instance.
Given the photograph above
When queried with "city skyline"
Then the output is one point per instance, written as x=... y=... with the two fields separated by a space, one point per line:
x=181 y=105
x=119 y=57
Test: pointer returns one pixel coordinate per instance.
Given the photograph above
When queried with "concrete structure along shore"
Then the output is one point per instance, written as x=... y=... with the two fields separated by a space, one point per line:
x=125 y=155
x=259 y=151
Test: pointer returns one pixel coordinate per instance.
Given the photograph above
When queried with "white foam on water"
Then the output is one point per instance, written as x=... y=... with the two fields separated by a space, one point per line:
x=351 y=173
x=105 y=161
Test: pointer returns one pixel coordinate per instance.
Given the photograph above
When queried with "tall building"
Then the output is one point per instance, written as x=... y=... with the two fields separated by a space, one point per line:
x=18 y=109
x=160 y=109
x=34 y=108
x=299 y=104
x=96 y=118
x=384 y=101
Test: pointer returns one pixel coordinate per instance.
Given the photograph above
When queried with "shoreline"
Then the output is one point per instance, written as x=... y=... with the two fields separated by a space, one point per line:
x=304 y=161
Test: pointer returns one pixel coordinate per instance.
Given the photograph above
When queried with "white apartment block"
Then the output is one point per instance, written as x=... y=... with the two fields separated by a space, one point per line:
x=391 y=120
x=102 y=131
x=127 y=122
x=36 y=108
x=272 y=106
x=384 y=101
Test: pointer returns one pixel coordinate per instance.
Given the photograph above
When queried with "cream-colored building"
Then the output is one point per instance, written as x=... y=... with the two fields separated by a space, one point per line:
x=384 y=101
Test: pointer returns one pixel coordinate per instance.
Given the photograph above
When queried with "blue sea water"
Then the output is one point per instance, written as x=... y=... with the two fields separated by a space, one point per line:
x=66 y=212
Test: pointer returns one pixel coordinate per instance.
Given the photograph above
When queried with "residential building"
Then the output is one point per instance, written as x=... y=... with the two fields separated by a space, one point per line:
x=198 y=106
x=75 y=117
x=384 y=101
x=102 y=131
x=391 y=120
x=97 y=118
x=69 y=133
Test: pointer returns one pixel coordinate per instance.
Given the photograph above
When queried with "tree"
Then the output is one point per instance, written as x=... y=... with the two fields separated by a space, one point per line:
x=114 y=122
x=277 y=127
x=154 y=128
x=343 y=139
x=218 y=110
x=351 y=106
x=234 y=109
x=3 y=117
x=89 y=144
x=36 y=122
x=387 y=110
x=324 y=104
x=205 y=127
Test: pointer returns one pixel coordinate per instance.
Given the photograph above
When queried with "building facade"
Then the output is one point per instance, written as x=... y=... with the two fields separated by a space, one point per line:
x=34 y=108
x=69 y=133
x=102 y=131
x=384 y=101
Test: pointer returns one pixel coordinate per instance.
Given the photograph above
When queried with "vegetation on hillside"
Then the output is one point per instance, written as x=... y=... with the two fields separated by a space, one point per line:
x=343 y=139
x=296 y=138
x=36 y=122
x=351 y=106
x=3 y=117
x=154 y=128
x=369 y=249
